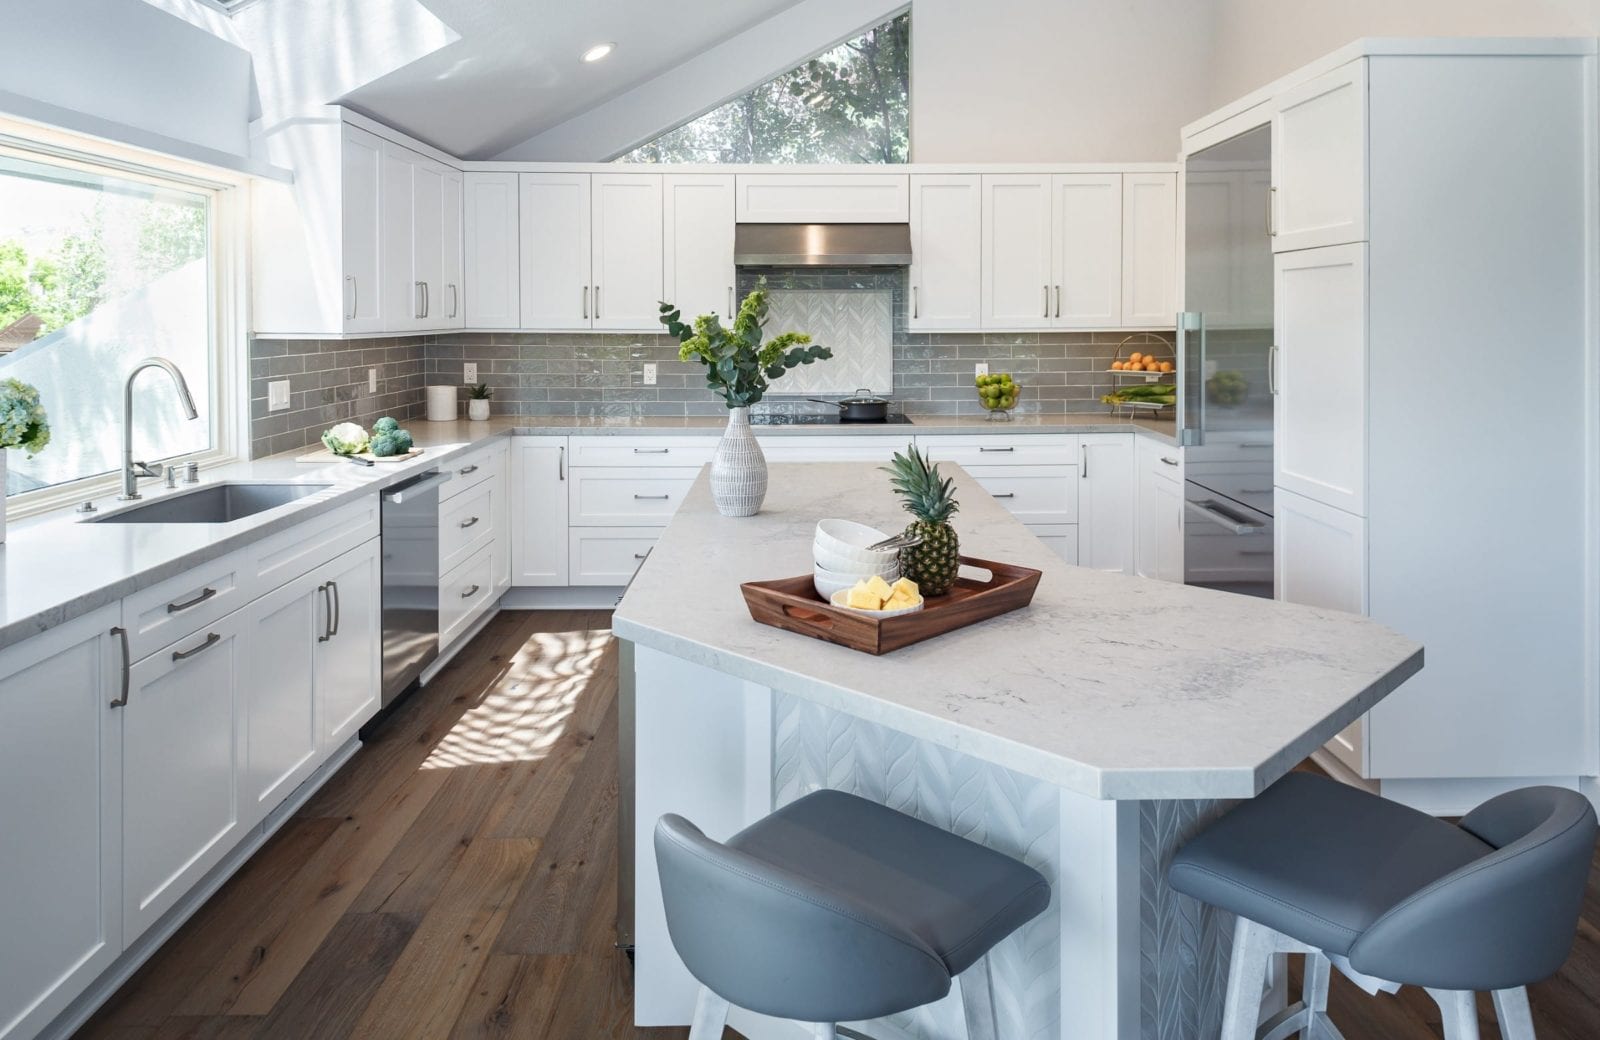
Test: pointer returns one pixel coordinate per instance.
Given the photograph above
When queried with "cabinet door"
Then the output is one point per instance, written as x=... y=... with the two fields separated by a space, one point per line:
x=1158 y=551
x=1106 y=502
x=491 y=251
x=1149 y=249
x=539 y=511
x=60 y=768
x=627 y=251
x=401 y=299
x=1320 y=375
x=697 y=220
x=348 y=645
x=180 y=768
x=553 y=221
x=1319 y=161
x=427 y=180
x=1061 y=539
x=278 y=694
x=1319 y=554
x=1016 y=251
x=1086 y=265
x=449 y=312
x=361 y=157
x=609 y=556
x=946 y=252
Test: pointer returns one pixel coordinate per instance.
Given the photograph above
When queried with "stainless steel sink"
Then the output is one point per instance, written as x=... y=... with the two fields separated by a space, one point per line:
x=214 y=504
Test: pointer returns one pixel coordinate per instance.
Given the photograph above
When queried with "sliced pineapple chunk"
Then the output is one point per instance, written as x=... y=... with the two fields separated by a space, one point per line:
x=879 y=588
x=908 y=588
x=901 y=601
x=863 y=598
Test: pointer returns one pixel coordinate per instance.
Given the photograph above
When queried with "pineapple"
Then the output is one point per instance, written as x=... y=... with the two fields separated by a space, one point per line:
x=933 y=563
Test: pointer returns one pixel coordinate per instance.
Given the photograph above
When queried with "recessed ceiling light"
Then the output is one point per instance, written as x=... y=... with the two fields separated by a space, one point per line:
x=598 y=51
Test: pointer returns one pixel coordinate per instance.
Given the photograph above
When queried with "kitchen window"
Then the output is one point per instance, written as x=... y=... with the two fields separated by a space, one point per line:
x=106 y=260
x=850 y=104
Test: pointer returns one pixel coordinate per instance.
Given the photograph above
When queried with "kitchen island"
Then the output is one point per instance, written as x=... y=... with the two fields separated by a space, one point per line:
x=1089 y=735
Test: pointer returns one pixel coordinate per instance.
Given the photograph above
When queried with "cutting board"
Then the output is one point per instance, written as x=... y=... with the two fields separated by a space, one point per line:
x=324 y=456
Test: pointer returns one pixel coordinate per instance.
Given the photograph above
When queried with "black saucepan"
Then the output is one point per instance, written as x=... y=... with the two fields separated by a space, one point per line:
x=861 y=408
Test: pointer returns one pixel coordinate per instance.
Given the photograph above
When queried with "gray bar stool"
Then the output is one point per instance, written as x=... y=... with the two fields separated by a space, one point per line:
x=836 y=909
x=1392 y=897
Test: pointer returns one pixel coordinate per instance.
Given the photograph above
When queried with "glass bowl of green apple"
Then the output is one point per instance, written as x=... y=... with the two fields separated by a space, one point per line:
x=998 y=392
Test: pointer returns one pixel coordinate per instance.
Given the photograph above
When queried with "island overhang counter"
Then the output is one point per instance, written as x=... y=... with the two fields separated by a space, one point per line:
x=1088 y=734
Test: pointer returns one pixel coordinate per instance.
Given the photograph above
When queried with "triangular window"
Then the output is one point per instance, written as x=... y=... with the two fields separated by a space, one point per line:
x=850 y=104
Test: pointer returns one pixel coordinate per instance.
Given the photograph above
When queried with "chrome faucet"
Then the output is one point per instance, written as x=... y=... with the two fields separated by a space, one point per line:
x=131 y=470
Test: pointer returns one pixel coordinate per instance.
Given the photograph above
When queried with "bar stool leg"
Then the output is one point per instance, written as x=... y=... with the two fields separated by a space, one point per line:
x=824 y=1031
x=977 y=1002
x=1516 y=1018
x=1253 y=947
x=1459 y=1009
x=710 y=1015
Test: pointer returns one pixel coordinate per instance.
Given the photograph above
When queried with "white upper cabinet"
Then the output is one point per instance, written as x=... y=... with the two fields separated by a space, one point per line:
x=698 y=275
x=359 y=161
x=1149 y=248
x=1016 y=251
x=946 y=252
x=1319 y=161
x=427 y=240
x=1086 y=254
x=627 y=241
x=450 y=312
x=555 y=250
x=61 y=770
x=1319 y=372
x=834 y=198
x=412 y=237
x=491 y=291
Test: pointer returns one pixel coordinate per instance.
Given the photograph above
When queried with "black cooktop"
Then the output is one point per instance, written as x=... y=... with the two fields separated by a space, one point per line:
x=819 y=419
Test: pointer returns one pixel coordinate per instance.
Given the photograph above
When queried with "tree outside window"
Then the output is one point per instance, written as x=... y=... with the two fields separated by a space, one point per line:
x=848 y=105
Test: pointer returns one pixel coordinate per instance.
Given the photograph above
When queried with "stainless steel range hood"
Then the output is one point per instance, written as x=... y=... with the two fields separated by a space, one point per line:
x=822 y=245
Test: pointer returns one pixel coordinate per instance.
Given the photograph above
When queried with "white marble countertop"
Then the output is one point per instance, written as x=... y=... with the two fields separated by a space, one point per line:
x=54 y=568
x=1111 y=686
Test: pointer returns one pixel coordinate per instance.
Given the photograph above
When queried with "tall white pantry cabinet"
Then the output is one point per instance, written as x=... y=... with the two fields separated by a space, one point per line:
x=1436 y=452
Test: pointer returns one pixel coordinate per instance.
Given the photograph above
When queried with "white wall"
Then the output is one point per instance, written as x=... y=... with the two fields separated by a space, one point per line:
x=1256 y=41
x=1056 y=80
x=130 y=63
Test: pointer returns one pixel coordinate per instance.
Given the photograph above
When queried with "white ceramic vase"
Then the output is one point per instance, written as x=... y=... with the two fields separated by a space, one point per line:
x=738 y=469
x=478 y=409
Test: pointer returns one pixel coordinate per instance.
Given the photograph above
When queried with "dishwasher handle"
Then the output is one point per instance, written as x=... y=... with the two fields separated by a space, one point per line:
x=422 y=485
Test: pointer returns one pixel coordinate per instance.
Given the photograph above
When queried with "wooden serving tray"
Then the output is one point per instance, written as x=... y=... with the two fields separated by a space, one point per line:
x=793 y=604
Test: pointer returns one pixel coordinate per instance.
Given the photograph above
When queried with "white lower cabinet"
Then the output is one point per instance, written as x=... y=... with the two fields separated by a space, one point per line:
x=538 y=528
x=282 y=630
x=608 y=556
x=349 y=675
x=1158 y=549
x=1033 y=494
x=464 y=595
x=60 y=817
x=843 y=448
x=1061 y=539
x=626 y=496
x=1105 y=501
x=181 y=733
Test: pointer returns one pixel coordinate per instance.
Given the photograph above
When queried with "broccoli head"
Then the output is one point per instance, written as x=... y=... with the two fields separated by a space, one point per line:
x=385 y=425
x=386 y=444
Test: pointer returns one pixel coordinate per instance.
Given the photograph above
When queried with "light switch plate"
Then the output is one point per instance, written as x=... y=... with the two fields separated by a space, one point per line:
x=649 y=373
x=278 y=395
x=372 y=380
x=469 y=372
x=981 y=368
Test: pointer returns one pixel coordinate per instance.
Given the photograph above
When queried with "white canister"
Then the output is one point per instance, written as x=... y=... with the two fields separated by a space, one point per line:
x=442 y=404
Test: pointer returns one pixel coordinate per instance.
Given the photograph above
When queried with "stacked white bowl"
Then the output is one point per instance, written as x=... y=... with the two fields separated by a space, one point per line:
x=842 y=556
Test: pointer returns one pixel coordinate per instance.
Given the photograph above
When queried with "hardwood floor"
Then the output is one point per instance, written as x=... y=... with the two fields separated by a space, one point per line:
x=456 y=881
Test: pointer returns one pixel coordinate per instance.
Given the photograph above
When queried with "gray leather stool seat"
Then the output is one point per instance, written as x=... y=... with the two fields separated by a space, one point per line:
x=1393 y=896
x=836 y=909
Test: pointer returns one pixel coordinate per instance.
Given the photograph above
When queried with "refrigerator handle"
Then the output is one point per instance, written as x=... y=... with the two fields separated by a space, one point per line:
x=1191 y=350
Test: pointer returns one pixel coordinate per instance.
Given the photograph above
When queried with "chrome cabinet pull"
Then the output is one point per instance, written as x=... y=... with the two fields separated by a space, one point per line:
x=561 y=463
x=597 y=301
x=427 y=300
x=212 y=639
x=327 y=611
x=416 y=300
x=640 y=556
x=1272 y=370
x=122 y=636
x=1170 y=462
x=652 y=451
x=468 y=522
x=464 y=470
x=1004 y=494
x=1058 y=301
x=1046 y=289
x=914 y=301
x=1272 y=212
x=731 y=307
x=455 y=299
x=176 y=608
x=651 y=497
x=983 y=449
x=333 y=587
x=353 y=297
x=470 y=591
x=1083 y=461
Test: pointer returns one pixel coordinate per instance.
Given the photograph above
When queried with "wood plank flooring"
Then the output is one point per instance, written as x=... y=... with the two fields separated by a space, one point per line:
x=456 y=881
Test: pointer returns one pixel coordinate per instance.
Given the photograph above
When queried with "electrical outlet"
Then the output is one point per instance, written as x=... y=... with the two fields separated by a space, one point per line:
x=278 y=395
x=469 y=372
x=649 y=373
x=372 y=380
x=981 y=368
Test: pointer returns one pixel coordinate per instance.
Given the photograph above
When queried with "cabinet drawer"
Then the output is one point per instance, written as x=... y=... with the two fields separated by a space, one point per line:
x=609 y=555
x=1061 y=539
x=1034 y=494
x=467 y=523
x=1045 y=449
x=282 y=557
x=842 y=448
x=464 y=594
x=472 y=469
x=627 y=497
x=807 y=198
x=642 y=451
x=185 y=603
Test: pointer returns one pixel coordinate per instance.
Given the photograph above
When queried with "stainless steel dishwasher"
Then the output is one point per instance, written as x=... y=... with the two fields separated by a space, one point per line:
x=410 y=514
